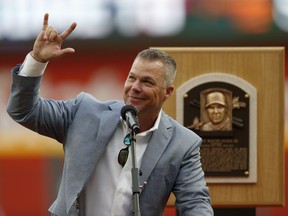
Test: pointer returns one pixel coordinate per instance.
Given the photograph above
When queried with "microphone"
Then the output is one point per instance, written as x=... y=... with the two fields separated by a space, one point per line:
x=129 y=114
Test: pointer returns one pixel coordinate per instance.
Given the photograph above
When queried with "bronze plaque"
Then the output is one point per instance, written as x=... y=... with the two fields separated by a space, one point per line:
x=218 y=113
x=221 y=109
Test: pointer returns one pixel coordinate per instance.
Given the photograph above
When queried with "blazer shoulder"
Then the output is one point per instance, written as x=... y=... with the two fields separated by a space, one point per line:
x=186 y=134
x=89 y=101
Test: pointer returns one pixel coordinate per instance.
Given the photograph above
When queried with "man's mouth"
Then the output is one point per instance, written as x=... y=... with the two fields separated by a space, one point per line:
x=135 y=98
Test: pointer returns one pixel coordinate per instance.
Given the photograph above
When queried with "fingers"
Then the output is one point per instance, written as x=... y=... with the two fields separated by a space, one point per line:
x=45 y=27
x=50 y=34
x=68 y=31
x=45 y=21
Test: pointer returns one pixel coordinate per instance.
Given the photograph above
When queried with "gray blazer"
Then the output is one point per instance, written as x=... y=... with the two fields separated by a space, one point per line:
x=171 y=162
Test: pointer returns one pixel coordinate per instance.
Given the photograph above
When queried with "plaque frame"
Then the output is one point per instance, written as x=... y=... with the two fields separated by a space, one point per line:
x=264 y=68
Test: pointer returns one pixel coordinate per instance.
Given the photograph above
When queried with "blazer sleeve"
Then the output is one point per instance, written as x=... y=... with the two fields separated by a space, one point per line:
x=44 y=116
x=191 y=192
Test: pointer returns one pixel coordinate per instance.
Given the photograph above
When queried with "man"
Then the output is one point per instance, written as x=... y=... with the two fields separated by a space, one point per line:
x=91 y=133
x=217 y=112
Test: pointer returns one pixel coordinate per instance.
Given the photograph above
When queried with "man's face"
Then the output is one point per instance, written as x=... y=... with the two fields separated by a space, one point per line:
x=145 y=87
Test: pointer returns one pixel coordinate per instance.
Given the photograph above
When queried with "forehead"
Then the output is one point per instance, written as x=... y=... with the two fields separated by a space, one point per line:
x=147 y=67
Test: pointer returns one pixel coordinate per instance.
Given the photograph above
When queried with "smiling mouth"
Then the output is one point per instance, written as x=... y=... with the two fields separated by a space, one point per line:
x=135 y=98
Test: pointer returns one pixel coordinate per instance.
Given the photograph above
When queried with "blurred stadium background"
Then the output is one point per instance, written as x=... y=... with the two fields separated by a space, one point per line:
x=108 y=36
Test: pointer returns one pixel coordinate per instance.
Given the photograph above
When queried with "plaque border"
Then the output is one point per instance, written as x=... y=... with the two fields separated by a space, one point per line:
x=245 y=86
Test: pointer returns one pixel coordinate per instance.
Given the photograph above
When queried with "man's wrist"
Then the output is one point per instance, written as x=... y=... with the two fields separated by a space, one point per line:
x=31 y=67
x=36 y=58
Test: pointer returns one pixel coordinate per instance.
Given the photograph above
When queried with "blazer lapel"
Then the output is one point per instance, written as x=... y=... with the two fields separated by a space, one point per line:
x=94 y=150
x=156 y=146
x=109 y=122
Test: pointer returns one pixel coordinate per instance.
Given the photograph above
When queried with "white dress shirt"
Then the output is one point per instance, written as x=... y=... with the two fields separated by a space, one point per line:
x=109 y=190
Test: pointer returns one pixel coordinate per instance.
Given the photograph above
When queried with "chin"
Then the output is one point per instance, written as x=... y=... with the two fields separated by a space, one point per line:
x=137 y=107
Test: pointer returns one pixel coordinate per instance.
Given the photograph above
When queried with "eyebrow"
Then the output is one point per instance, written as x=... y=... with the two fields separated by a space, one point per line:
x=142 y=77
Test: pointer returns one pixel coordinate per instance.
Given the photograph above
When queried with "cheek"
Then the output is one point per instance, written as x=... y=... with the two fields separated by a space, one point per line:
x=159 y=96
x=127 y=86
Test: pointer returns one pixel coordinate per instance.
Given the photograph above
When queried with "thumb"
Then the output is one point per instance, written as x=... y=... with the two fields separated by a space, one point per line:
x=67 y=51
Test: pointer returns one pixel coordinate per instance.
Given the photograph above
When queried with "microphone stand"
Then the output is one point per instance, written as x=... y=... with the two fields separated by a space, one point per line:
x=135 y=176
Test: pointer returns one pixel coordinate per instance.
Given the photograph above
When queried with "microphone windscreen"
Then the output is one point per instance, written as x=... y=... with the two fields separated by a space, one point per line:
x=127 y=108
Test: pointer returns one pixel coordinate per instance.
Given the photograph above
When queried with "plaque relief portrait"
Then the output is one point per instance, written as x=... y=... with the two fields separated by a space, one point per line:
x=216 y=110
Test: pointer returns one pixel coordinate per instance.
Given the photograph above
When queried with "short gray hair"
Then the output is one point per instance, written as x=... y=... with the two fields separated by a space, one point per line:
x=168 y=62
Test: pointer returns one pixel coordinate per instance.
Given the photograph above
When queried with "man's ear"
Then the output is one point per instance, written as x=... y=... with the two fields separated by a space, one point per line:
x=169 y=91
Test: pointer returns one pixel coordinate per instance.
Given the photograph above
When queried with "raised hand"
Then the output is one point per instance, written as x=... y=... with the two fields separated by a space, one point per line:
x=48 y=43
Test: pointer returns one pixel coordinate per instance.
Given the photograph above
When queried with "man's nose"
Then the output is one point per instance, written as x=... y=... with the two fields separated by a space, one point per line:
x=136 y=86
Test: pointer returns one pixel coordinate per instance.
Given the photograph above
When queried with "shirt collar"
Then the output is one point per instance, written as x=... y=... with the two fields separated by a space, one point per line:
x=144 y=133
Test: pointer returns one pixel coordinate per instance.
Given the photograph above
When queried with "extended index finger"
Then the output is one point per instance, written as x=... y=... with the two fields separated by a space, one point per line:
x=68 y=31
x=45 y=21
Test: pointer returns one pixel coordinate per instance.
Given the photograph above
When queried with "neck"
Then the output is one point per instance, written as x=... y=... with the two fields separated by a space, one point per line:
x=146 y=122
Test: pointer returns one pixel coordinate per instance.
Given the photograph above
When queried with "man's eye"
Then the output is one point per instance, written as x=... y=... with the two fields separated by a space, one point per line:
x=148 y=82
